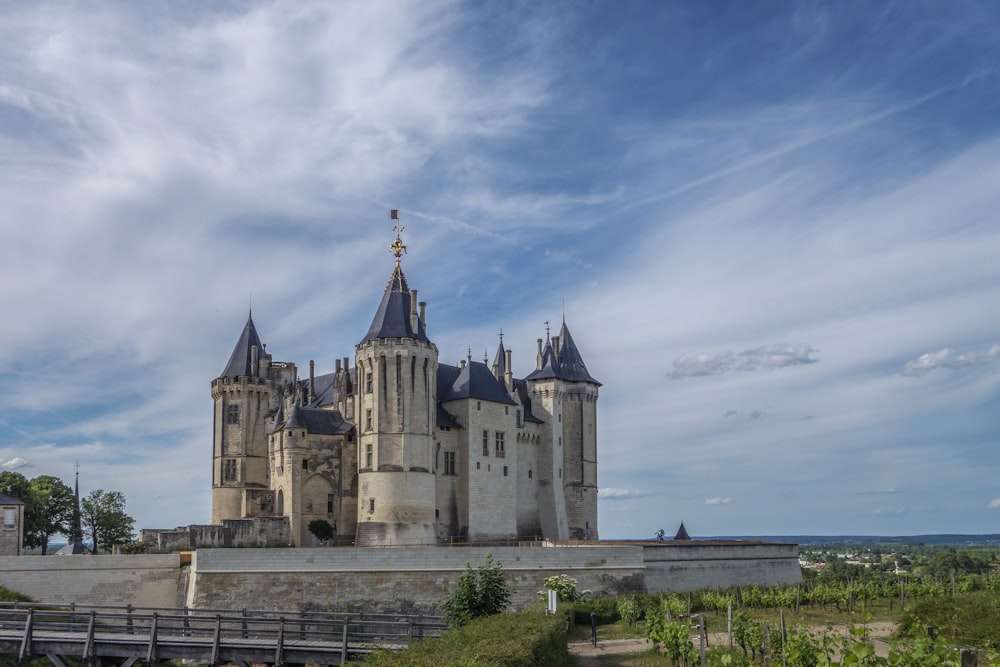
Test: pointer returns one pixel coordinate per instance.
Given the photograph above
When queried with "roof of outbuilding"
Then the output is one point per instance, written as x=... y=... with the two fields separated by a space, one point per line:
x=315 y=421
x=392 y=319
x=239 y=361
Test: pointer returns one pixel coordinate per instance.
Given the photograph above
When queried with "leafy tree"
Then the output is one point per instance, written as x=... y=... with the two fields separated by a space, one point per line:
x=480 y=592
x=53 y=505
x=104 y=517
x=321 y=528
x=565 y=588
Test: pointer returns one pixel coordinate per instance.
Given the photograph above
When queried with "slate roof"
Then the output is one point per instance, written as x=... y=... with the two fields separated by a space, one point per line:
x=500 y=361
x=682 y=533
x=239 y=361
x=569 y=364
x=314 y=421
x=476 y=381
x=7 y=500
x=521 y=389
x=392 y=319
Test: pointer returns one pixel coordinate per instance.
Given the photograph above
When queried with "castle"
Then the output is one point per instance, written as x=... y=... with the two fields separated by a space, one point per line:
x=397 y=448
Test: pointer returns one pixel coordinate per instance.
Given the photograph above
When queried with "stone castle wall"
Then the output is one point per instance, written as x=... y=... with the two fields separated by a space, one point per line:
x=140 y=580
x=387 y=579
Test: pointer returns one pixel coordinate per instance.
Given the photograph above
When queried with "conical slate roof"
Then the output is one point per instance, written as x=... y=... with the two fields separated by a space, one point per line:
x=239 y=362
x=392 y=319
x=682 y=533
x=568 y=366
x=500 y=361
x=571 y=364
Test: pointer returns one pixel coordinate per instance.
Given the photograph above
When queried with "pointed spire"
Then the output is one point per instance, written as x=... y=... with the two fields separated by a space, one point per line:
x=394 y=317
x=500 y=360
x=241 y=361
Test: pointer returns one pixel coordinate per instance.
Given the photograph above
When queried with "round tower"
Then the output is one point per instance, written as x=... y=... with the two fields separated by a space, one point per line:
x=396 y=412
x=241 y=395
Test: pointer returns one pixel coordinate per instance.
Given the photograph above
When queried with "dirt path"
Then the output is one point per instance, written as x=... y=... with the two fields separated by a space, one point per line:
x=587 y=654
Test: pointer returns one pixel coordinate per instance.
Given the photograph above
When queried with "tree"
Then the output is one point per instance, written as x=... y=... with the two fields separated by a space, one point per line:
x=480 y=592
x=104 y=517
x=53 y=504
x=321 y=528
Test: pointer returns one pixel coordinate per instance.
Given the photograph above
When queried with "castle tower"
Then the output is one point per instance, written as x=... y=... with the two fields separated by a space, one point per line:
x=567 y=396
x=396 y=408
x=242 y=403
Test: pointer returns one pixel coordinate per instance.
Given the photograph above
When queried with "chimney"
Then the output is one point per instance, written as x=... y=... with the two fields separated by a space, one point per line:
x=555 y=347
x=538 y=361
x=508 y=376
x=462 y=364
x=254 y=361
x=496 y=371
x=312 y=381
x=347 y=368
x=338 y=366
x=423 y=313
x=414 y=323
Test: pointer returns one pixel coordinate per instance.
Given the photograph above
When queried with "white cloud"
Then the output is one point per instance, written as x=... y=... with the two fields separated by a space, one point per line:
x=767 y=357
x=995 y=503
x=620 y=494
x=15 y=463
x=949 y=358
x=718 y=501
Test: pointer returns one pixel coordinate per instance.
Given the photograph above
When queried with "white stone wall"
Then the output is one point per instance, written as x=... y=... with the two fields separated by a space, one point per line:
x=492 y=476
x=140 y=580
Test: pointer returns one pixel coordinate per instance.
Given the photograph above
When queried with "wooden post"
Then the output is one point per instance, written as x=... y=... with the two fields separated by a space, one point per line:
x=88 y=646
x=343 y=645
x=216 y=641
x=279 y=651
x=969 y=657
x=151 y=652
x=729 y=622
x=702 y=639
x=26 y=639
x=766 y=645
x=784 y=636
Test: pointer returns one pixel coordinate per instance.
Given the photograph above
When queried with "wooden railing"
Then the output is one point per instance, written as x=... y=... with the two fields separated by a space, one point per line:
x=127 y=634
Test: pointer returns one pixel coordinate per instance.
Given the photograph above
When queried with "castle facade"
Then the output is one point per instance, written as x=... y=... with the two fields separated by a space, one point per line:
x=395 y=448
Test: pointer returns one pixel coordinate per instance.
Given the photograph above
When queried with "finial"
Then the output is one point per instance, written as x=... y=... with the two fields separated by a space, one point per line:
x=546 y=330
x=397 y=246
x=486 y=356
x=469 y=356
x=501 y=335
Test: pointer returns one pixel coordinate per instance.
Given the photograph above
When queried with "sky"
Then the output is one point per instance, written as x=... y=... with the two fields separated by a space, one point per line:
x=772 y=229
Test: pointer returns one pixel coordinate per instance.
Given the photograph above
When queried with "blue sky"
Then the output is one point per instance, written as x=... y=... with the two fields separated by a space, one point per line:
x=772 y=228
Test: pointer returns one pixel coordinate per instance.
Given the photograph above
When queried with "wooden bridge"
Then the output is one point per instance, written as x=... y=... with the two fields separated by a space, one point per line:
x=111 y=636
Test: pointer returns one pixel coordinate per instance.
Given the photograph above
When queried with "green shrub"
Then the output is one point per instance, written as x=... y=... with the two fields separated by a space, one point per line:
x=480 y=592
x=524 y=639
x=968 y=618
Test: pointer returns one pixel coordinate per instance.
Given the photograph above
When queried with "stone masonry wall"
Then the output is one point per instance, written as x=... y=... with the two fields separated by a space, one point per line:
x=140 y=580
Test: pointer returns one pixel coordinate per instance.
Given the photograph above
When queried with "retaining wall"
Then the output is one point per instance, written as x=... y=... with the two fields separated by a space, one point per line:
x=140 y=580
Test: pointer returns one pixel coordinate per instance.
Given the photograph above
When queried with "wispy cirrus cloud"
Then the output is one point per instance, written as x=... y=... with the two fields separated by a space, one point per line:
x=767 y=357
x=718 y=501
x=949 y=358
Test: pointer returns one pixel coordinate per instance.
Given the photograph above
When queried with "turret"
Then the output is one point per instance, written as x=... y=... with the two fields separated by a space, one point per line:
x=242 y=403
x=397 y=406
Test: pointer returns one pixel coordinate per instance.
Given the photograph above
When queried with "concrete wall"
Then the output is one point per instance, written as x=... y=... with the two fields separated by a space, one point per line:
x=140 y=580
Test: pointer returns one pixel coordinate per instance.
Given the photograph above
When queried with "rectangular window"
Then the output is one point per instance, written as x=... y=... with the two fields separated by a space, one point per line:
x=479 y=405
x=368 y=419
x=329 y=503
x=501 y=451
x=486 y=443
x=449 y=463
x=368 y=383
x=9 y=517
x=229 y=470
x=305 y=464
x=368 y=456
x=529 y=474
x=505 y=471
x=232 y=414
x=371 y=505
x=519 y=424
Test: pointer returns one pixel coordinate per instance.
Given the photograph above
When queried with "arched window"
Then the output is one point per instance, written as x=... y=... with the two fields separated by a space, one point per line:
x=281 y=502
